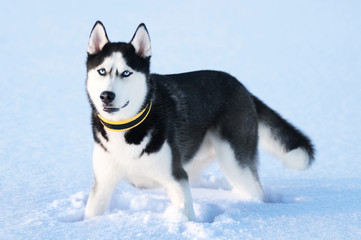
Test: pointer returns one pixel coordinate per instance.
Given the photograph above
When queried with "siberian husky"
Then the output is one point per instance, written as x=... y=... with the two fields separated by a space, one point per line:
x=160 y=130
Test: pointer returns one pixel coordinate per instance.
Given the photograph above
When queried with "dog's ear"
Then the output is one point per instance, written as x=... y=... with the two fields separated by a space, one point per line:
x=98 y=38
x=141 y=41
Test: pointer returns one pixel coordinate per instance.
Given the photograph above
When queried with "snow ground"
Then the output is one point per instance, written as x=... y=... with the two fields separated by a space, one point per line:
x=303 y=58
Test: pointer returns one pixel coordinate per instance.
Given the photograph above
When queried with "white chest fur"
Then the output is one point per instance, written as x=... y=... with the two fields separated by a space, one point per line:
x=125 y=161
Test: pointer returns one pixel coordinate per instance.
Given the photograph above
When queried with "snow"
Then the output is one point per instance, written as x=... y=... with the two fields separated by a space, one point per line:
x=301 y=57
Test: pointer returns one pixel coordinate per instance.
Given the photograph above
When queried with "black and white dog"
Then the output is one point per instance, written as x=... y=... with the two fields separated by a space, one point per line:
x=161 y=130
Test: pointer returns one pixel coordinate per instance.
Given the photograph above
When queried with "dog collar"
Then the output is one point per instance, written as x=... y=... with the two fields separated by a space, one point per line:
x=127 y=124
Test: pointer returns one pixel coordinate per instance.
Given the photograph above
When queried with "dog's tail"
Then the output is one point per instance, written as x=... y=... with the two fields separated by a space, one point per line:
x=282 y=139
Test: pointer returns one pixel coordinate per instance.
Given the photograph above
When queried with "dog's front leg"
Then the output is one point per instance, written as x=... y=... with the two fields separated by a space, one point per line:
x=180 y=195
x=106 y=179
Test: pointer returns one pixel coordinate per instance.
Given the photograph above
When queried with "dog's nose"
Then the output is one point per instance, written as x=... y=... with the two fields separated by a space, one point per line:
x=107 y=97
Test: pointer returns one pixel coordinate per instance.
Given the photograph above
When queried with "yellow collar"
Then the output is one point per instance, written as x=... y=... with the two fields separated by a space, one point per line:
x=127 y=124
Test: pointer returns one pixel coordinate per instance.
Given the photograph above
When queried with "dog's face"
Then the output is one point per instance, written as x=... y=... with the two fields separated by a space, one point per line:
x=117 y=73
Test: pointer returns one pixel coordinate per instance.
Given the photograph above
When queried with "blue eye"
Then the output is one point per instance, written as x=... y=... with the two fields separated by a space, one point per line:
x=126 y=73
x=102 y=71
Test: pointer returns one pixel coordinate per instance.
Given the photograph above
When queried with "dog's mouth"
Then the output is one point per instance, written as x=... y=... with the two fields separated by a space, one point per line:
x=111 y=109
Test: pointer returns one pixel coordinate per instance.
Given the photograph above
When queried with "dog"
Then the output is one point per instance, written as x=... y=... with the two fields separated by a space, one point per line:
x=156 y=130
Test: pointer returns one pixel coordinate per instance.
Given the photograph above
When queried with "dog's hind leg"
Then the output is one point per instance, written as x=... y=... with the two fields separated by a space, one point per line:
x=236 y=141
x=243 y=177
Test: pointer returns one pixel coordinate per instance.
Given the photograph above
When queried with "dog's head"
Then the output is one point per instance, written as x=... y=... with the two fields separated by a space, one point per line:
x=117 y=73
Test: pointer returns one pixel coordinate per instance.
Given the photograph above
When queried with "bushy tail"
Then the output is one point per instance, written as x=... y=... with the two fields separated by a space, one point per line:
x=282 y=139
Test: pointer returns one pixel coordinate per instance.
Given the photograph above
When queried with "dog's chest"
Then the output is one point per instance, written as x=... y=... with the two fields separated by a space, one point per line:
x=138 y=168
x=122 y=151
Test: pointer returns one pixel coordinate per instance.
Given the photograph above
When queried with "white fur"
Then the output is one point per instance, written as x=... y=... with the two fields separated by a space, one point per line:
x=181 y=197
x=132 y=88
x=106 y=179
x=268 y=142
x=296 y=159
x=245 y=183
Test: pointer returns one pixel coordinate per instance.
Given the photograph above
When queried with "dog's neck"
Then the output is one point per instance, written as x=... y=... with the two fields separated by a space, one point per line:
x=127 y=124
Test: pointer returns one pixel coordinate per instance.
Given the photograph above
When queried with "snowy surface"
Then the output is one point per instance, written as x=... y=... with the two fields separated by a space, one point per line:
x=303 y=58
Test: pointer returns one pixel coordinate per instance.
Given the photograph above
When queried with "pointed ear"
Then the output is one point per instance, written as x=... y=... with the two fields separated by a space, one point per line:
x=141 y=42
x=98 y=38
